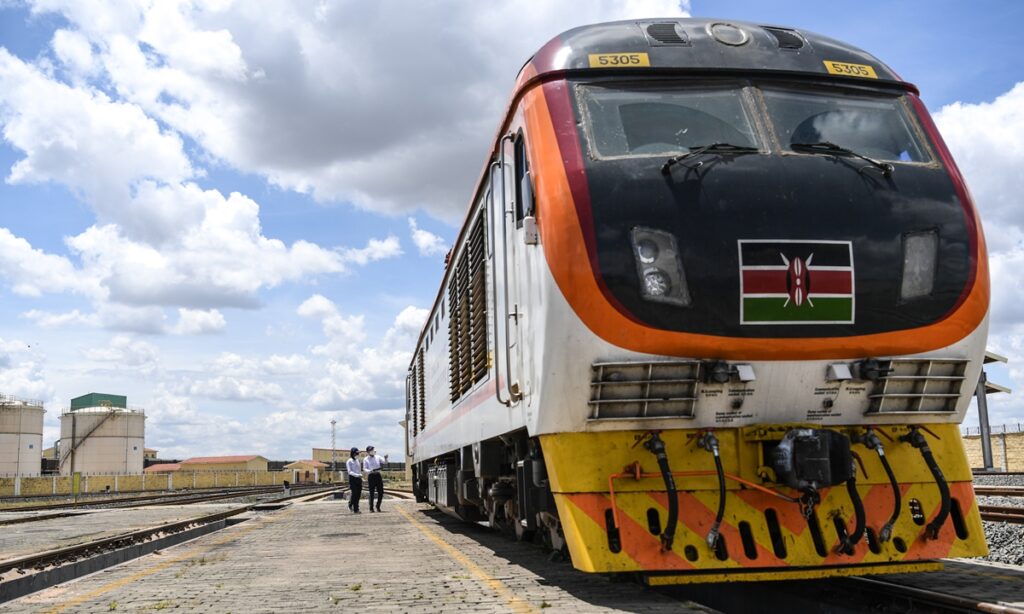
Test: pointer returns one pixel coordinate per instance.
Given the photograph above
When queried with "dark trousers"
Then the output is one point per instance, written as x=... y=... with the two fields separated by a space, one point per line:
x=355 y=485
x=376 y=486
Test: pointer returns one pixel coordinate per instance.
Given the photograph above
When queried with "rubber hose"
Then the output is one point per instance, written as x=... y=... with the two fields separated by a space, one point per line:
x=940 y=481
x=858 y=512
x=713 y=533
x=657 y=446
x=886 y=533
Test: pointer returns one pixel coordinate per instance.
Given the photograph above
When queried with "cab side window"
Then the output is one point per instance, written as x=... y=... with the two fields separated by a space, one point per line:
x=523 y=181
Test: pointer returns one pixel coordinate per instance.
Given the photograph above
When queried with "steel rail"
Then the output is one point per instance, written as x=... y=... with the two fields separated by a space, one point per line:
x=928 y=597
x=999 y=491
x=1001 y=513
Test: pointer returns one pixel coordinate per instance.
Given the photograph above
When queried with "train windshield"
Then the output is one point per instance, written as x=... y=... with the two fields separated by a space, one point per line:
x=878 y=127
x=657 y=121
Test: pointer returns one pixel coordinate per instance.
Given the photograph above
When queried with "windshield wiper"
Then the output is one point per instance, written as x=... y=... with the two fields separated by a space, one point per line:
x=711 y=148
x=831 y=149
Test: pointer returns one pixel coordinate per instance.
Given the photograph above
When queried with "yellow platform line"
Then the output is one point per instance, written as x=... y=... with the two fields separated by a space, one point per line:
x=515 y=603
x=188 y=554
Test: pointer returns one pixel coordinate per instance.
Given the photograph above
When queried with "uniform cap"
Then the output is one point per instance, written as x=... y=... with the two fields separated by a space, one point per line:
x=368 y=448
x=354 y=450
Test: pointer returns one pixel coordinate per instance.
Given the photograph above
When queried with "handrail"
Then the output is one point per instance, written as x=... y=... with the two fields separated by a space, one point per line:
x=494 y=280
x=513 y=397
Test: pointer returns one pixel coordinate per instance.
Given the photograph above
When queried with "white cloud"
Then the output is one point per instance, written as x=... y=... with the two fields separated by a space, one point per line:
x=31 y=272
x=361 y=373
x=22 y=372
x=125 y=351
x=74 y=51
x=376 y=249
x=427 y=242
x=236 y=389
x=987 y=141
x=54 y=320
x=285 y=365
x=199 y=322
x=306 y=95
x=79 y=137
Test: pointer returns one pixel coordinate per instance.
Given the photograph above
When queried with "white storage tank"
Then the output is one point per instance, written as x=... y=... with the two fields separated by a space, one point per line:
x=21 y=436
x=99 y=434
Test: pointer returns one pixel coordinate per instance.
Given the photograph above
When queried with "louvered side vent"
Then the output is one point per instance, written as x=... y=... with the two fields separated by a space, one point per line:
x=918 y=385
x=643 y=389
x=421 y=401
x=467 y=326
x=410 y=399
x=666 y=34
x=787 y=39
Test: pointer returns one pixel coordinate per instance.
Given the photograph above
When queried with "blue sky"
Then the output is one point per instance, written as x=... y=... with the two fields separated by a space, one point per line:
x=237 y=214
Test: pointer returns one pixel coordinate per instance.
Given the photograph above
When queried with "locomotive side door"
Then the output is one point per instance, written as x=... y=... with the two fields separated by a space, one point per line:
x=508 y=345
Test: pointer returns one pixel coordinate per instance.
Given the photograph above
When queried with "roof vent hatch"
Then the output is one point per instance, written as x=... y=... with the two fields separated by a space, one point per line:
x=666 y=34
x=787 y=39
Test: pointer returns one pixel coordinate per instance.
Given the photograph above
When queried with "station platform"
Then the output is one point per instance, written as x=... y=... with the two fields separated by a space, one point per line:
x=319 y=557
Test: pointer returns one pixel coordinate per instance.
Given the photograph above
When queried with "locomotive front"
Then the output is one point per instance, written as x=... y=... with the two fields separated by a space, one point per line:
x=779 y=289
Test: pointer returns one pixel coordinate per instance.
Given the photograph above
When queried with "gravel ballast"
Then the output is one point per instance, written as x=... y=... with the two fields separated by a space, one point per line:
x=1005 y=540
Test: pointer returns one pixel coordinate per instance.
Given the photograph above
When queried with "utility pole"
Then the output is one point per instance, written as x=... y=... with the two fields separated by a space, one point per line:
x=334 y=449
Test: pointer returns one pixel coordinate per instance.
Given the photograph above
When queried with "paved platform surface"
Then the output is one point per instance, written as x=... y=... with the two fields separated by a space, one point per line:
x=318 y=557
x=34 y=537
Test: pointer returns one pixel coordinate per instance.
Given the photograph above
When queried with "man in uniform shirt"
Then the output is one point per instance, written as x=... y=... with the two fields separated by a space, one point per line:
x=355 y=479
x=376 y=481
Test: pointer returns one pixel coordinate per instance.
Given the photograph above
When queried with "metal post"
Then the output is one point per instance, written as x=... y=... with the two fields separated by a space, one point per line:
x=986 y=431
x=1006 y=463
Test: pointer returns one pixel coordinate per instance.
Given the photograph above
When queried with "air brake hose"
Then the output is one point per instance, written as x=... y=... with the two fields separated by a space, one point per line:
x=917 y=440
x=872 y=442
x=858 y=510
x=886 y=532
x=657 y=447
x=710 y=443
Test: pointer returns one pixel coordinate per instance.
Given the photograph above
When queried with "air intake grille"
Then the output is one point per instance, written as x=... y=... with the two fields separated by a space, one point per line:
x=787 y=39
x=415 y=405
x=467 y=326
x=643 y=389
x=666 y=34
x=919 y=385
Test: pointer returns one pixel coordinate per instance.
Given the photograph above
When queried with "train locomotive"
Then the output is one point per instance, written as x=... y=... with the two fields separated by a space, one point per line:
x=717 y=308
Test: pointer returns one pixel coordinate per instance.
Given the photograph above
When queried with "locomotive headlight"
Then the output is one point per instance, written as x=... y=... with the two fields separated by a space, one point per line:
x=659 y=267
x=920 y=251
x=656 y=283
x=647 y=251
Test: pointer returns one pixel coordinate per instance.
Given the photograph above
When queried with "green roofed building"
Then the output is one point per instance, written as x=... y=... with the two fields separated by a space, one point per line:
x=99 y=399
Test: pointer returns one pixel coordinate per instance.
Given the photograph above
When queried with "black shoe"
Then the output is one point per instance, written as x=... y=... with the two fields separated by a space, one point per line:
x=378 y=509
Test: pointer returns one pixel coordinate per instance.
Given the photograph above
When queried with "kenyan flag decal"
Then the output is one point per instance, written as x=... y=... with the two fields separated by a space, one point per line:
x=796 y=282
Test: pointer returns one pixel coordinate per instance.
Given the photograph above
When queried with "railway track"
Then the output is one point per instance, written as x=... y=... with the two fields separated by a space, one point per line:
x=73 y=553
x=1002 y=513
x=999 y=491
x=16 y=575
x=175 y=498
x=916 y=599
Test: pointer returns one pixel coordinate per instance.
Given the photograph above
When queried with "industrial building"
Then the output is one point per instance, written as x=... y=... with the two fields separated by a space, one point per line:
x=21 y=436
x=305 y=470
x=252 y=462
x=100 y=434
